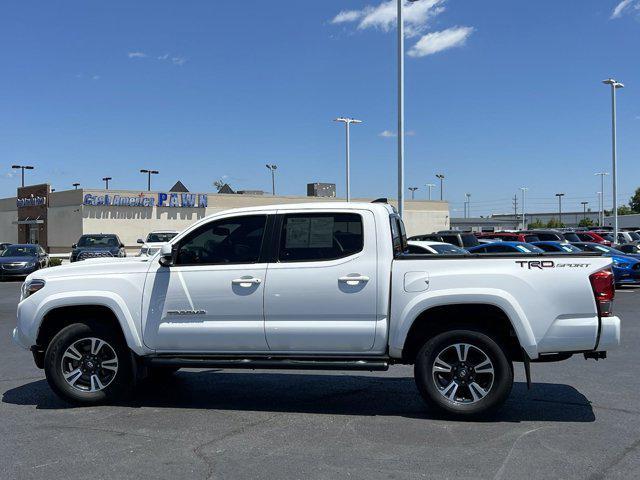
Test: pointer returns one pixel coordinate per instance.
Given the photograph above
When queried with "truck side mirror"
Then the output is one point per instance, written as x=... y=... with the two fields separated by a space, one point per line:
x=140 y=240
x=167 y=255
x=75 y=245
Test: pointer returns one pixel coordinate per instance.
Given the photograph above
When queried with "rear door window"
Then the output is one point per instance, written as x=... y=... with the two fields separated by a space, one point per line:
x=309 y=237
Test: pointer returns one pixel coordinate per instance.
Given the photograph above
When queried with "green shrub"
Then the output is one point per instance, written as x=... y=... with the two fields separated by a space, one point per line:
x=54 y=262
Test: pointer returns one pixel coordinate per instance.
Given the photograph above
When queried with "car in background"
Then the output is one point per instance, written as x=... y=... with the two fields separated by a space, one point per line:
x=437 y=248
x=3 y=246
x=629 y=248
x=459 y=239
x=97 y=245
x=626 y=268
x=557 y=247
x=18 y=261
x=628 y=237
x=506 y=247
x=154 y=241
x=544 y=236
x=592 y=237
x=508 y=237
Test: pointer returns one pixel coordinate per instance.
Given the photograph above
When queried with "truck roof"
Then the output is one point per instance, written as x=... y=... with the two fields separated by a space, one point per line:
x=382 y=207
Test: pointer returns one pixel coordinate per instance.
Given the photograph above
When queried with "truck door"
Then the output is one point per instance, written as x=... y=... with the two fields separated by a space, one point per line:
x=211 y=299
x=320 y=295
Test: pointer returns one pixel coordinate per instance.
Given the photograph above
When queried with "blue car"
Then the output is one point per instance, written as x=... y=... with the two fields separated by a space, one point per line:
x=626 y=267
x=557 y=247
x=505 y=247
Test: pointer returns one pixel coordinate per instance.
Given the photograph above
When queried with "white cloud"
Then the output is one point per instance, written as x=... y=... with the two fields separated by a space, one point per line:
x=621 y=7
x=137 y=55
x=384 y=15
x=178 y=61
x=435 y=42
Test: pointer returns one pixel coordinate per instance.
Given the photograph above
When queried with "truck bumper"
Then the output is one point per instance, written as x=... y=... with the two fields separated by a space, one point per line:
x=609 y=333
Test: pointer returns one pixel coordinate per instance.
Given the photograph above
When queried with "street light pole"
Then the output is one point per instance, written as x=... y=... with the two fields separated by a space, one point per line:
x=430 y=186
x=601 y=209
x=22 y=168
x=273 y=169
x=560 y=195
x=600 y=222
x=75 y=185
x=441 y=177
x=468 y=205
x=413 y=192
x=614 y=151
x=149 y=173
x=347 y=123
x=584 y=209
x=106 y=180
x=524 y=199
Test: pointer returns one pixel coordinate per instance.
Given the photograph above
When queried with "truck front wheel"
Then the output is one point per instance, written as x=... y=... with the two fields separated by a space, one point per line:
x=463 y=372
x=87 y=364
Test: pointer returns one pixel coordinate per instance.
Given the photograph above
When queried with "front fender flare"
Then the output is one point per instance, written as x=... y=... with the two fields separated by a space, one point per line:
x=110 y=300
x=427 y=300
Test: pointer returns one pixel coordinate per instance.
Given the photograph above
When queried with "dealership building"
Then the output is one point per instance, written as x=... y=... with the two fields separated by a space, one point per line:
x=56 y=220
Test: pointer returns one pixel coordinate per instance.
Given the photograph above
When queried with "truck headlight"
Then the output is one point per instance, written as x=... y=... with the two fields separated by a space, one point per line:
x=31 y=287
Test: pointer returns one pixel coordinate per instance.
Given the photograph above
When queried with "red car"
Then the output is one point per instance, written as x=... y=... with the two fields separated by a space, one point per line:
x=593 y=237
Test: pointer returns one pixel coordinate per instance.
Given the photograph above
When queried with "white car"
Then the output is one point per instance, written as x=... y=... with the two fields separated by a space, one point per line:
x=325 y=286
x=155 y=240
x=438 y=248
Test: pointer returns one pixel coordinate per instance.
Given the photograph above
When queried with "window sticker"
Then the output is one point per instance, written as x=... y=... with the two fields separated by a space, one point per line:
x=297 y=233
x=321 y=235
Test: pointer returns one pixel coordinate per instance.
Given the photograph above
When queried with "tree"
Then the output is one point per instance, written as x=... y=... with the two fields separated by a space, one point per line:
x=625 y=210
x=634 y=202
x=585 y=222
x=553 y=223
x=536 y=224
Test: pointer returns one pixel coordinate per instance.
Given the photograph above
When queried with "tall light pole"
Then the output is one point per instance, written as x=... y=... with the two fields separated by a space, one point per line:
x=23 y=168
x=614 y=151
x=524 y=199
x=75 y=185
x=149 y=173
x=413 y=192
x=401 y=106
x=560 y=195
x=584 y=209
x=430 y=186
x=347 y=123
x=441 y=178
x=106 y=181
x=467 y=205
x=273 y=169
x=601 y=208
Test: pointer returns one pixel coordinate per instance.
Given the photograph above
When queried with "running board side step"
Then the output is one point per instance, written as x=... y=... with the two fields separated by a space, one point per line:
x=268 y=363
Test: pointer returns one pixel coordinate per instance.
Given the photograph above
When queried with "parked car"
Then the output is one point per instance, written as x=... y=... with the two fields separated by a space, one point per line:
x=592 y=237
x=508 y=236
x=628 y=237
x=506 y=247
x=97 y=246
x=3 y=246
x=626 y=268
x=544 y=236
x=459 y=239
x=18 y=261
x=557 y=247
x=438 y=248
x=629 y=248
x=340 y=293
x=154 y=241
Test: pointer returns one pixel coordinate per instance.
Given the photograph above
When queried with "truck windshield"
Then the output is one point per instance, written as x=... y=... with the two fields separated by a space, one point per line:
x=98 y=241
x=19 y=251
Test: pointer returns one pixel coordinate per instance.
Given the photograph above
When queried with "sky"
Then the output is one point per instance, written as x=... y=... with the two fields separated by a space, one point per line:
x=499 y=95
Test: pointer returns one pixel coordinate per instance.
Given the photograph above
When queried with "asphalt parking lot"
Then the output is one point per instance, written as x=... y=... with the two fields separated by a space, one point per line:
x=580 y=420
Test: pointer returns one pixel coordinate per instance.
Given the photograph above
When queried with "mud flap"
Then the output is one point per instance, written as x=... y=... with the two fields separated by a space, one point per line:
x=527 y=368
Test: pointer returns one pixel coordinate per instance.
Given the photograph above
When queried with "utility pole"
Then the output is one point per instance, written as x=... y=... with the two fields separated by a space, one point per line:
x=584 y=209
x=560 y=195
x=524 y=200
x=614 y=151
x=468 y=204
x=440 y=176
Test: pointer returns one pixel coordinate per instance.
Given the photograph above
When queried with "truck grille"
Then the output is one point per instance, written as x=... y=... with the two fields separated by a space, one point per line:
x=86 y=255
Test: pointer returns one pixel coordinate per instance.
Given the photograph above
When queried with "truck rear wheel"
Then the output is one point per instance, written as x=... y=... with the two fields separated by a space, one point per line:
x=87 y=364
x=463 y=372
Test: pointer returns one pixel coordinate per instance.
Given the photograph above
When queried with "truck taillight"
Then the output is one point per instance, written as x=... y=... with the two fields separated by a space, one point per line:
x=603 y=290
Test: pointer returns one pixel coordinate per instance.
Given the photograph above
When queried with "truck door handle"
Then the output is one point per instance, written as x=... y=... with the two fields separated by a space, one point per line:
x=246 y=281
x=354 y=280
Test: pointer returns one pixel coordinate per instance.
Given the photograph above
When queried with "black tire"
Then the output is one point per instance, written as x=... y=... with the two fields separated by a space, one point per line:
x=434 y=386
x=117 y=385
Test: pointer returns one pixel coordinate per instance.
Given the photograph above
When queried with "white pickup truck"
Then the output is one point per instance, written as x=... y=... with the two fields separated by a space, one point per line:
x=314 y=286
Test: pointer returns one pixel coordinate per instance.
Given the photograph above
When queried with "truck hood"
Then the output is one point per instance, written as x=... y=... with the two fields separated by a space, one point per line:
x=95 y=266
